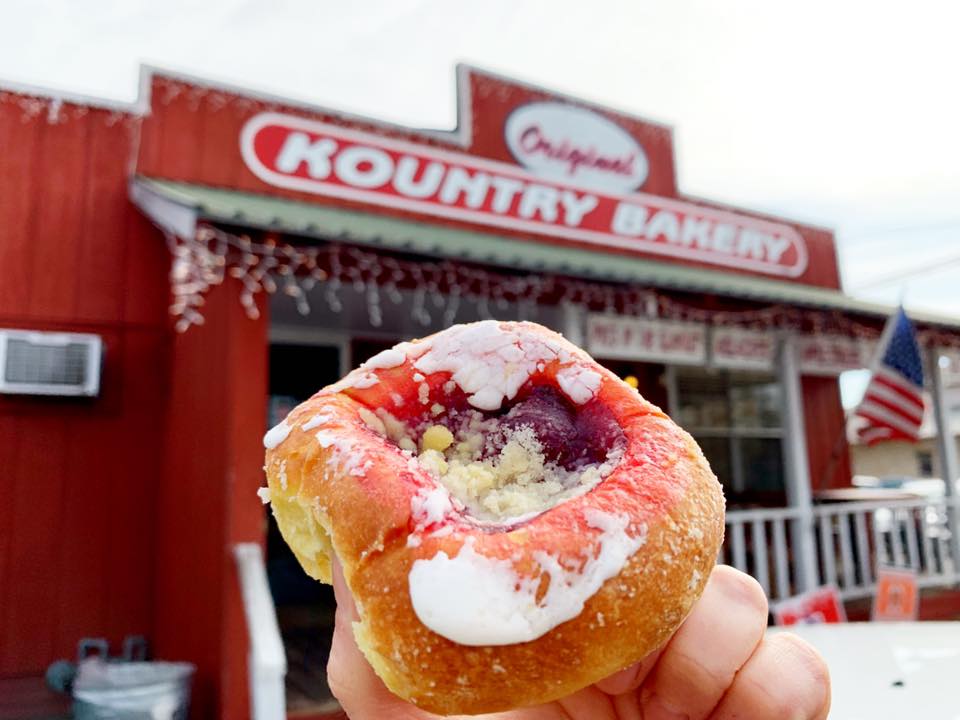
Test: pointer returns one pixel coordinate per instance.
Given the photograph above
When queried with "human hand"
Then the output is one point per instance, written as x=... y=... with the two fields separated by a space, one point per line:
x=718 y=665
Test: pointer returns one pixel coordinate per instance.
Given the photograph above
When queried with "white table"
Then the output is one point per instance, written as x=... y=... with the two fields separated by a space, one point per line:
x=867 y=659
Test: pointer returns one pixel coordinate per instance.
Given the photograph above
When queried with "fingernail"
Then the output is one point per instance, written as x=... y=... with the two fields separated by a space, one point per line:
x=655 y=708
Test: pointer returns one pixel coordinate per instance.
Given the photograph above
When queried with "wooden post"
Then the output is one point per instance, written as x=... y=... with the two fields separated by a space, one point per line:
x=797 y=467
x=949 y=468
x=207 y=500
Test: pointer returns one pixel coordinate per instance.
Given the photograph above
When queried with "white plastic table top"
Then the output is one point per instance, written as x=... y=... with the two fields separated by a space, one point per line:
x=868 y=660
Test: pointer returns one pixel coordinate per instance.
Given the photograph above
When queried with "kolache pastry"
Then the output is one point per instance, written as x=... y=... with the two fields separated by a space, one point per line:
x=514 y=521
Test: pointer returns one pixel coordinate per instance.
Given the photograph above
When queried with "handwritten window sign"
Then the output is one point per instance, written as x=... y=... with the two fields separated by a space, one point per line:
x=618 y=338
x=832 y=354
x=733 y=347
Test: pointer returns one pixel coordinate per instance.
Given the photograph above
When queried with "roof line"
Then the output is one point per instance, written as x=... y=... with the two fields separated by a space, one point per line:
x=148 y=72
x=759 y=213
x=615 y=268
x=574 y=99
x=133 y=108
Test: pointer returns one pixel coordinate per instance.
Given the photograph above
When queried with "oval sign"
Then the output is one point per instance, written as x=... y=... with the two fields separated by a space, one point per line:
x=576 y=146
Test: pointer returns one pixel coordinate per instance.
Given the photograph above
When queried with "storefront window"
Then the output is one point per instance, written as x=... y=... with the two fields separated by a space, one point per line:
x=737 y=419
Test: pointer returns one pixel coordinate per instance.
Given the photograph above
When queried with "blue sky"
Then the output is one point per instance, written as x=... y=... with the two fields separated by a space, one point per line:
x=844 y=114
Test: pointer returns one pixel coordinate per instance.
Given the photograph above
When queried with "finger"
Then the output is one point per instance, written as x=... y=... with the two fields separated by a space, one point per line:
x=360 y=692
x=714 y=642
x=785 y=678
x=630 y=678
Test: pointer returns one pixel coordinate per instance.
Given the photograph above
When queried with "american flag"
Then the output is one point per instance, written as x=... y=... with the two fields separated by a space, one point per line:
x=893 y=403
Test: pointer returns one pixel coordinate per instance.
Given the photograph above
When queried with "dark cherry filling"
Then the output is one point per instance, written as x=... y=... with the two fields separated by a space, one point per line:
x=571 y=435
x=551 y=418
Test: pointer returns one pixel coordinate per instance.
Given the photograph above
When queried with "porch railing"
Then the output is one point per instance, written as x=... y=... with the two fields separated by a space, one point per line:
x=849 y=541
x=267 y=660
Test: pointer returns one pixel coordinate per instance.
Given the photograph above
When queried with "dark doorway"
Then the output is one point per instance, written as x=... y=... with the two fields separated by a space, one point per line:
x=362 y=349
x=305 y=607
x=651 y=378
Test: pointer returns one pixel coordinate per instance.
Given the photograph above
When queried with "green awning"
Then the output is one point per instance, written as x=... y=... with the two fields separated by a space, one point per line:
x=359 y=228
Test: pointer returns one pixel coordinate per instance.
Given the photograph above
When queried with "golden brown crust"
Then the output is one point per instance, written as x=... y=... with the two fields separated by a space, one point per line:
x=366 y=519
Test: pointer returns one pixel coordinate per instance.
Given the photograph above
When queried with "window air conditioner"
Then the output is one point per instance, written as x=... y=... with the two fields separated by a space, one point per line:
x=49 y=363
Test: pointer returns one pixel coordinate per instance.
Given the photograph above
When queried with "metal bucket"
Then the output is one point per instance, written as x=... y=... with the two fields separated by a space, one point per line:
x=132 y=690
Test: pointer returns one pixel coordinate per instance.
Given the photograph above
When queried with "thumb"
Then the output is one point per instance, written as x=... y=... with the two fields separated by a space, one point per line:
x=361 y=693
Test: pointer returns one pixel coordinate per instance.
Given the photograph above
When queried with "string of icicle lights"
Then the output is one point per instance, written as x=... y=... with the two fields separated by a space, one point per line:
x=439 y=287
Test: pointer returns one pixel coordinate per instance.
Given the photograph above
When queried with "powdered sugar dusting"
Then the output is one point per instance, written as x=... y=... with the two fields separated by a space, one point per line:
x=264 y=495
x=276 y=435
x=473 y=599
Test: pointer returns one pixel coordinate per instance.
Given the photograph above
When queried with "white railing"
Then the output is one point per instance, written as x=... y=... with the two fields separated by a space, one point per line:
x=849 y=541
x=267 y=660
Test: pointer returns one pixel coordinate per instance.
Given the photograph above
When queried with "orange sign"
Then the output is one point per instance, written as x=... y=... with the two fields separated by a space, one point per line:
x=897 y=598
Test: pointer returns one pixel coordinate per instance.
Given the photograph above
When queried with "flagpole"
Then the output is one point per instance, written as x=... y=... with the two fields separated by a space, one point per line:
x=948 y=455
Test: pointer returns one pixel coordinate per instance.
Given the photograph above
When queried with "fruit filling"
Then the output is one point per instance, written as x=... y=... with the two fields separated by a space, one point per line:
x=524 y=459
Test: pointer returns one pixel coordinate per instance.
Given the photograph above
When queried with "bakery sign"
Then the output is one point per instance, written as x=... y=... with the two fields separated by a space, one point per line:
x=576 y=146
x=337 y=162
x=642 y=339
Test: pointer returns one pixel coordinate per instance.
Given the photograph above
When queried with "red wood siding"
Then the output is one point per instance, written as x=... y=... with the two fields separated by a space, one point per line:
x=827 y=449
x=79 y=477
x=208 y=499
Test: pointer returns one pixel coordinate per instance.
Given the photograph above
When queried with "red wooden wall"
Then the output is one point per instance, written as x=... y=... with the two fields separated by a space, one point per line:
x=827 y=449
x=208 y=498
x=119 y=512
x=79 y=477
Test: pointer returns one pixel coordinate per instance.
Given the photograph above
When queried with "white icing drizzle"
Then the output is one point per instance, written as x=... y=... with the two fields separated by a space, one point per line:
x=428 y=507
x=387 y=359
x=345 y=457
x=276 y=435
x=578 y=383
x=472 y=599
x=365 y=380
x=487 y=361
x=316 y=421
x=264 y=495
x=326 y=438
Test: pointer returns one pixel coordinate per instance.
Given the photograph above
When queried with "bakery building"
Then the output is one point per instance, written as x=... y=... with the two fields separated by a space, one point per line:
x=179 y=273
